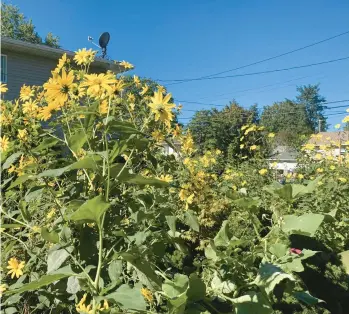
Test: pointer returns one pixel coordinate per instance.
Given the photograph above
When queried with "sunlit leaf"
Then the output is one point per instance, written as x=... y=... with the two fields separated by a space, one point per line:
x=192 y=220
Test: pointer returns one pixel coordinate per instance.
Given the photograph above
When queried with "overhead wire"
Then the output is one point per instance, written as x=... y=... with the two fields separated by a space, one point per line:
x=263 y=60
x=267 y=72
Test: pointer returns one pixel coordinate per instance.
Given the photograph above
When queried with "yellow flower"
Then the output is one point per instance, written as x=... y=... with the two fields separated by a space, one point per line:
x=3 y=288
x=103 y=107
x=46 y=112
x=161 y=89
x=136 y=80
x=51 y=213
x=332 y=167
x=61 y=63
x=26 y=93
x=3 y=88
x=4 y=143
x=82 y=308
x=97 y=84
x=309 y=146
x=57 y=89
x=253 y=147
x=320 y=183
x=157 y=135
x=337 y=126
x=318 y=156
x=131 y=98
x=126 y=65
x=261 y=128
x=242 y=146
x=319 y=170
x=177 y=131
x=188 y=144
x=118 y=87
x=147 y=294
x=11 y=169
x=346 y=119
x=243 y=183
x=36 y=229
x=15 y=267
x=84 y=57
x=167 y=178
x=300 y=176
x=234 y=187
x=271 y=135
x=105 y=306
x=161 y=108
x=263 y=171
x=274 y=164
x=343 y=180
x=22 y=135
x=144 y=89
x=30 y=108
x=244 y=127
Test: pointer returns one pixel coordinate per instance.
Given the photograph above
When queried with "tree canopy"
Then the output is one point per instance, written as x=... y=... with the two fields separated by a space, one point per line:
x=220 y=129
x=15 y=25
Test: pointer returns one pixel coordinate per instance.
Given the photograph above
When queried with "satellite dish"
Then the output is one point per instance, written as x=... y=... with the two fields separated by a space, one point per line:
x=104 y=40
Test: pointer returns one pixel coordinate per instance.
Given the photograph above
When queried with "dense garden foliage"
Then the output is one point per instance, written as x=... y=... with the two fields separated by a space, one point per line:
x=96 y=219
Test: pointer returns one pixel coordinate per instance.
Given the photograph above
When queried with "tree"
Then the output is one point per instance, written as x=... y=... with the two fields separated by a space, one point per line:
x=288 y=119
x=309 y=96
x=214 y=129
x=15 y=25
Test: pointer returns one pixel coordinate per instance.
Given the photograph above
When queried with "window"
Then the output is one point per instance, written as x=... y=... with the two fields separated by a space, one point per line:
x=3 y=69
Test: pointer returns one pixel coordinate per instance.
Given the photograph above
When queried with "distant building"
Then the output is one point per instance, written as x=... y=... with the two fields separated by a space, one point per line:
x=331 y=143
x=168 y=150
x=285 y=159
x=31 y=64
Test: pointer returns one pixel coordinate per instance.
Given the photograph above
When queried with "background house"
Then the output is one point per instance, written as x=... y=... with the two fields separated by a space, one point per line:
x=31 y=64
x=336 y=143
x=285 y=158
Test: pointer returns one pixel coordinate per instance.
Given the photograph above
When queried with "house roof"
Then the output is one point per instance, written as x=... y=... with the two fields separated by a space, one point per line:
x=54 y=53
x=284 y=153
x=327 y=138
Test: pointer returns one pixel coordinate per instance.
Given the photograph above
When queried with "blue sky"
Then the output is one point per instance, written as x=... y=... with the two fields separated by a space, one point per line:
x=185 y=39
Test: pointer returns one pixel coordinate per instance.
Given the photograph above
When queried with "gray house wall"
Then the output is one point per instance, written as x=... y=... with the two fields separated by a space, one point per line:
x=25 y=69
x=30 y=70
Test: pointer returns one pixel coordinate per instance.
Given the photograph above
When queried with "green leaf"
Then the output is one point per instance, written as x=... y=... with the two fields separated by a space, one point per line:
x=252 y=303
x=192 y=220
x=73 y=285
x=211 y=252
x=46 y=143
x=10 y=160
x=55 y=259
x=118 y=149
x=278 y=249
x=128 y=298
x=91 y=210
x=248 y=203
x=345 y=260
x=197 y=288
x=52 y=236
x=53 y=172
x=306 y=224
x=175 y=288
x=121 y=127
x=140 y=180
x=42 y=282
x=21 y=180
x=306 y=297
x=223 y=236
x=77 y=141
x=115 y=270
x=34 y=194
x=143 y=266
x=88 y=162
x=269 y=276
x=171 y=222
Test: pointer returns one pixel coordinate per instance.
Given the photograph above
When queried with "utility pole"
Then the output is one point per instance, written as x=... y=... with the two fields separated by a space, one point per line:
x=319 y=125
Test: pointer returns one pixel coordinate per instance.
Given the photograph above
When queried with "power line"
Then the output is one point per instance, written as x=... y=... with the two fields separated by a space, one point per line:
x=265 y=72
x=205 y=104
x=264 y=60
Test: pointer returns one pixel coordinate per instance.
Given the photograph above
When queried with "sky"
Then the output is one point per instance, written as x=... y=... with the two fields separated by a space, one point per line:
x=169 y=40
